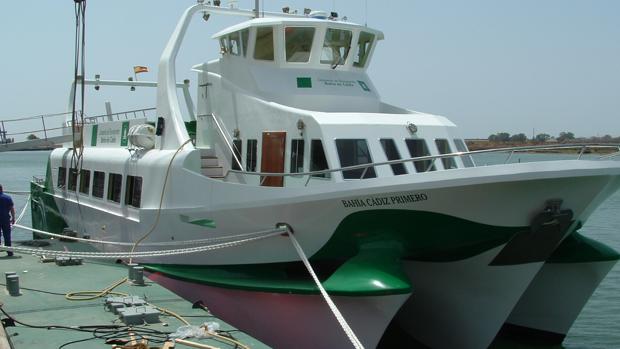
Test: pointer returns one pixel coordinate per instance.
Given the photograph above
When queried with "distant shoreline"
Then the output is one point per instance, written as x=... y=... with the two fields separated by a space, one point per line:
x=478 y=144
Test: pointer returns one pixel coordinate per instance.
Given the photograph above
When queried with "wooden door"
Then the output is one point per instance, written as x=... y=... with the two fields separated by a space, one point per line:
x=272 y=157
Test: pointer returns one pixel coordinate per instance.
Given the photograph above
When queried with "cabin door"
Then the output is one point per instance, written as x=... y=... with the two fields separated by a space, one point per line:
x=272 y=157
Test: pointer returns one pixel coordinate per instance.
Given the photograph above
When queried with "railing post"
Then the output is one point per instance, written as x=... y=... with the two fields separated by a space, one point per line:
x=44 y=130
x=583 y=148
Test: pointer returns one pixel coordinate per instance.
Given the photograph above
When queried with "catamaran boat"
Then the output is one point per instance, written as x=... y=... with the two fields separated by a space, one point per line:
x=397 y=220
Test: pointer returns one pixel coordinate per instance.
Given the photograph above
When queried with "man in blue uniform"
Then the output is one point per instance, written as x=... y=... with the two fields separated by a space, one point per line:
x=6 y=207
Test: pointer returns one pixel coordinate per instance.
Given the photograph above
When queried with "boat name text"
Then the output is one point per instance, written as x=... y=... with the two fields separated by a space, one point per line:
x=385 y=200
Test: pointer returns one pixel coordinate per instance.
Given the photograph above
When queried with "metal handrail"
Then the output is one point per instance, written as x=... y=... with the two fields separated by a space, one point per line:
x=223 y=135
x=582 y=148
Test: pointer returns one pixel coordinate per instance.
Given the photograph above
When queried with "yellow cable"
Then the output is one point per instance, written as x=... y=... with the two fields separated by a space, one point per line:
x=161 y=200
x=90 y=295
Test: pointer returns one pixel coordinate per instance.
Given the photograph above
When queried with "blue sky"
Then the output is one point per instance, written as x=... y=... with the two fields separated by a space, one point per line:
x=489 y=66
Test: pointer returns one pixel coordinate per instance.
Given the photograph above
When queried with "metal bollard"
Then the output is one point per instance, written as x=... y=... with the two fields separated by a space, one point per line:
x=130 y=275
x=12 y=284
x=138 y=275
x=6 y=275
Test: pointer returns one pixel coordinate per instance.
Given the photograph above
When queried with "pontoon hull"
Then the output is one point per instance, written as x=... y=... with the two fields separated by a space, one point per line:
x=462 y=304
x=292 y=320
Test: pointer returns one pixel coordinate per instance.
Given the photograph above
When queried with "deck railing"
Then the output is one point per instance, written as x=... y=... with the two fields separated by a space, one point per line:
x=580 y=149
x=39 y=125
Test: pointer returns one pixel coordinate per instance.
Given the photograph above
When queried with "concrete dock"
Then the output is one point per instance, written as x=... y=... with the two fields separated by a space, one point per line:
x=41 y=316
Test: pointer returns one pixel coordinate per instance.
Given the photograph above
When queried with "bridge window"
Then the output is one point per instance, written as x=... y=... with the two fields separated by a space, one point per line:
x=297 y=155
x=418 y=148
x=84 y=181
x=98 y=184
x=298 y=43
x=364 y=43
x=391 y=152
x=354 y=152
x=245 y=35
x=318 y=162
x=62 y=177
x=115 y=183
x=444 y=148
x=133 y=191
x=263 y=48
x=336 y=46
x=250 y=159
x=234 y=44
x=224 y=45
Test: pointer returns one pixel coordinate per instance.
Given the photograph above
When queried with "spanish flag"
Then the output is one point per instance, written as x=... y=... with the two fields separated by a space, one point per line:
x=140 y=69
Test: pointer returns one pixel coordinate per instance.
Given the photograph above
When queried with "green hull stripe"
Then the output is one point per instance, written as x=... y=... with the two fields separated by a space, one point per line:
x=577 y=248
x=417 y=235
x=362 y=258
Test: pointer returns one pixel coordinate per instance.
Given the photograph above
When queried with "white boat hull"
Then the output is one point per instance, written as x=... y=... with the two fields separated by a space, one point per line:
x=462 y=304
x=556 y=296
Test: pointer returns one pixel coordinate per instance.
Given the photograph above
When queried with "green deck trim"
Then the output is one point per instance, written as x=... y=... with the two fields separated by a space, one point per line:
x=577 y=248
x=374 y=274
x=43 y=209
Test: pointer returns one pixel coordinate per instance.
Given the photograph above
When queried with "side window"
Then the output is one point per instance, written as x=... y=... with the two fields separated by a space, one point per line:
x=336 y=46
x=62 y=177
x=263 y=49
x=391 y=152
x=250 y=159
x=224 y=45
x=115 y=183
x=245 y=36
x=84 y=181
x=298 y=43
x=237 y=145
x=318 y=161
x=297 y=155
x=234 y=44
x=133 y=191
x=462 y=147
x=73 y=175
x=444 y=148
x=417 y=148
x=354 y=152
x=98 y=184
x=364 y=43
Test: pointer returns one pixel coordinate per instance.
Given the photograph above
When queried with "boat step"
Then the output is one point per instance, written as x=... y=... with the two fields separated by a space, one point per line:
x=207 y=152
x=209 y=161
x=213 y=171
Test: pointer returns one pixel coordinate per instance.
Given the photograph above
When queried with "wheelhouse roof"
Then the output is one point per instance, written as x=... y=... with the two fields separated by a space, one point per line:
x=257 y=22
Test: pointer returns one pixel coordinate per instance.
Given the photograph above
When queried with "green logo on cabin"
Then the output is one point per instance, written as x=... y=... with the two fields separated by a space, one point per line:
x=363 y=86
x=304 y=82
x=124 y=133
x=93 y=136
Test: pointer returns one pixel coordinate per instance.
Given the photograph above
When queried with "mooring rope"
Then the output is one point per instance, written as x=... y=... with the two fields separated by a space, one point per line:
x=21 y=214
x=163 y=243
x=341 y=320
x=141 y=254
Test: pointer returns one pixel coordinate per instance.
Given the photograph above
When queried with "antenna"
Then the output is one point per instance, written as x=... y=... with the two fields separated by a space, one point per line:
x=366 y=13
x=256 y=10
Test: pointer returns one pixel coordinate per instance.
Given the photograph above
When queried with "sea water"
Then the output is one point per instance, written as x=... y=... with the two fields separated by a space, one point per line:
x=597 y=327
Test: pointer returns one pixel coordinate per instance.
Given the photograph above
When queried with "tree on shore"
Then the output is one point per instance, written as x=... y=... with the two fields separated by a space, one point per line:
x=518 y=138
x=565 y=137
x=31 y=137
x=542 y=137
x=500 y=137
